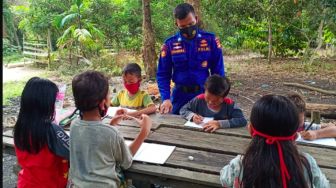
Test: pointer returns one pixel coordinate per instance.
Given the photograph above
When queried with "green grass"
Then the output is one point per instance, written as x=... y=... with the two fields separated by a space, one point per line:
x=13 y=58
x=12 y=89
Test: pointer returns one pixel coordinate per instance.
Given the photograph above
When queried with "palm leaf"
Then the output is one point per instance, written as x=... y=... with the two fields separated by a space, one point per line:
x=79 y=3
x=69 y=18
x=63 y=38
x=82 y=35
x=94 y=30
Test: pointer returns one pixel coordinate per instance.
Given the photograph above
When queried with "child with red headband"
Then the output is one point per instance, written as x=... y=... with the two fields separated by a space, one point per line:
x=272 y=158
x=214 y=103
x=132 y=97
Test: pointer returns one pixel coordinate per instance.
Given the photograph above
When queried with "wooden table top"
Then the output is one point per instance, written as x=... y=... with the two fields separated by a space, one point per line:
x=210 y=151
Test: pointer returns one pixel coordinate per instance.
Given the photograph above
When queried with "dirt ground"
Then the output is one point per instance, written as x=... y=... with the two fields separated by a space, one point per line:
x=19 y=73
x=251 y=78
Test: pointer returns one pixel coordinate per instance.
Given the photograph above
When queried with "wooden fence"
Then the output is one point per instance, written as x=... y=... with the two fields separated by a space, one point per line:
x=36 y=51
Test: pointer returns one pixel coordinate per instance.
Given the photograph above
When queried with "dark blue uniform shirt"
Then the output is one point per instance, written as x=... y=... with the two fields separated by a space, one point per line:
x=188 y=63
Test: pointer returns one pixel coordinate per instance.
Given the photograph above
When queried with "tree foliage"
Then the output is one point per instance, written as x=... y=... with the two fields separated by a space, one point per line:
x=296 y=25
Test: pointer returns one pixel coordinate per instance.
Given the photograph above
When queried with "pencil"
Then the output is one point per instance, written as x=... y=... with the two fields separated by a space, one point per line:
x=310 y=125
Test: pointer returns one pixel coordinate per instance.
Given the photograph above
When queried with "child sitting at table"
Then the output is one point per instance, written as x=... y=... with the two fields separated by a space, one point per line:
x=42 y=147
x=272 y=158
x=132 y=97
x=301 y=107
x=98 y=152
x=315 y=131
x=214 y=103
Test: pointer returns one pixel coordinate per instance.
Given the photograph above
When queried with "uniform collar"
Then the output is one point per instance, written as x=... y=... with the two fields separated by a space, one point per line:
x=181 y=38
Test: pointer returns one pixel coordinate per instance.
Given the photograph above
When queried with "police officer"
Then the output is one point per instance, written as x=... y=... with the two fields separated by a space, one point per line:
x=187 y=58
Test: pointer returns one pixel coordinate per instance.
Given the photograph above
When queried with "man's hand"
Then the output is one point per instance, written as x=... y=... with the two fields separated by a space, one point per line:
x=197 y=119
x=211 y=126
x=166 y=107
x=308 y=135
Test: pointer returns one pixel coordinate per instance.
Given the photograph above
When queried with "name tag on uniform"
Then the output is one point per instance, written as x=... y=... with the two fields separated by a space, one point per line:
x=177 y=51
x=177 y=48
x=203 y=46
x=203 y=49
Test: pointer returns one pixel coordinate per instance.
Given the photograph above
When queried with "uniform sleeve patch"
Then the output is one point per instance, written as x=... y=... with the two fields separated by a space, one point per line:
x=218 y=43
x=164 y=50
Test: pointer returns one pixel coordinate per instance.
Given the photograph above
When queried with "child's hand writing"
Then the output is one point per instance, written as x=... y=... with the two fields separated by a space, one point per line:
x=308 y=135
x=197 y=119
x=211 y=126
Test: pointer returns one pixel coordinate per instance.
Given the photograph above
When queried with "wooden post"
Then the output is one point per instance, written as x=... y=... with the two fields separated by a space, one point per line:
x=23 y=44
x=49 y=48
x=316 y=117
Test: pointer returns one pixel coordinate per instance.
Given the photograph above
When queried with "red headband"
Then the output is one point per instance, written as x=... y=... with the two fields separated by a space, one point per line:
x=271 y=140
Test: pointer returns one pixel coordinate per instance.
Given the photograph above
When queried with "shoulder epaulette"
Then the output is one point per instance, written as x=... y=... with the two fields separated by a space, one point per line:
x=206 y=33
x=201 y=96
x=228 y=100
x=170 y=38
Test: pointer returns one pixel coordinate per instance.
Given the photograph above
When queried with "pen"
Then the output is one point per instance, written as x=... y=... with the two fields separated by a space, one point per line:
x=309 y=125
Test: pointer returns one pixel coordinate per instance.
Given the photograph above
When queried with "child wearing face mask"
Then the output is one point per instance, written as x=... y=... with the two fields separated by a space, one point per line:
x=132 y=97
x=98 y=152
x=214 y=103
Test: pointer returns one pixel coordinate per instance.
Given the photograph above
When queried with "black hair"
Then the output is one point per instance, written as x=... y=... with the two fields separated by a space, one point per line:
x=274 y=115
x=218 y=85
x=37 y=108
x=182 y=10
x=89 y=89
x=132 y=68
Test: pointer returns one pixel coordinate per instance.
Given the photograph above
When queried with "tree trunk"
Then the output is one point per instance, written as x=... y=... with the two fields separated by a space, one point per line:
x=197 y=6
x=4 y=28
x=49 y=48
x=269 y=57
x=49 y=40
x=16 y=36
x=320 y=31
x=148 y=52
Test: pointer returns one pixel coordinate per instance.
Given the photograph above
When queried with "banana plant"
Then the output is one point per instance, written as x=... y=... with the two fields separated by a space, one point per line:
x=80 y=31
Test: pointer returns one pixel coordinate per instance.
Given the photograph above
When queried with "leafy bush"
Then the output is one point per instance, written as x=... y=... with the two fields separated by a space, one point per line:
x=112 y=63
x=8 y=49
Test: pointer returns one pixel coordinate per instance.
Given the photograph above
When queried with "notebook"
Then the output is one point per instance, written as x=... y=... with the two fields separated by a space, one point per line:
x=321 y=141
x=112 y=110
x=152 y=153
x=192 y=124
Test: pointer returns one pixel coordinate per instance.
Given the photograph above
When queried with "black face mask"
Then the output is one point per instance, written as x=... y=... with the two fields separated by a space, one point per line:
x=189 y=32
x=102 y=113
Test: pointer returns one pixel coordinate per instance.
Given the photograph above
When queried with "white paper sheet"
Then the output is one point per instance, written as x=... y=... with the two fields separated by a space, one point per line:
x=321 y=141
x=112 y=110
x=192 y=124
x=152 y=153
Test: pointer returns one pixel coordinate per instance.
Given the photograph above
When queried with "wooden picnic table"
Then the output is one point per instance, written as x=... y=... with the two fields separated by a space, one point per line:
x=210 y=152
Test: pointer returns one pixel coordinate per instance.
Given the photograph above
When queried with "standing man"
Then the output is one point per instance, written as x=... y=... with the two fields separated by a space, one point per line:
x=187 y=58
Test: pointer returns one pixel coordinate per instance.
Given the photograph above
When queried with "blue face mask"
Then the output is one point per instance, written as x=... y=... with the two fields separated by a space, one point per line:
x=189 y=32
